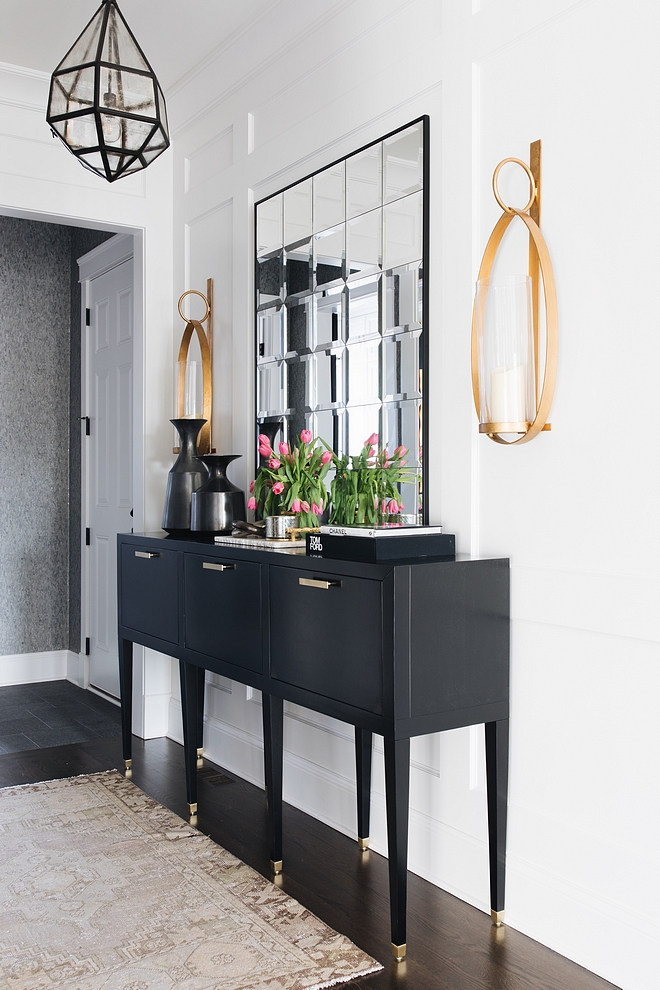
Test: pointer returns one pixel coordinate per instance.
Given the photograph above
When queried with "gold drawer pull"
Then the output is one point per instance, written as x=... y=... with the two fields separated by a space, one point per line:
x=145 y=554
x=315 y=583
x=218 y=567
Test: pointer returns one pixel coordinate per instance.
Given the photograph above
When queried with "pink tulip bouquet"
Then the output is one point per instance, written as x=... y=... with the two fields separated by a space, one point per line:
x=365 y=489
x=292 y=480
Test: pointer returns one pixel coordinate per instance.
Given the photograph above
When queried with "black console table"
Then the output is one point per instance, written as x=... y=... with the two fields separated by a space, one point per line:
x=400 y=649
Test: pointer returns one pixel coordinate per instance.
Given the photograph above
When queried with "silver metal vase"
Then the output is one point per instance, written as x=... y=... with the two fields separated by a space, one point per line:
x=217 y=504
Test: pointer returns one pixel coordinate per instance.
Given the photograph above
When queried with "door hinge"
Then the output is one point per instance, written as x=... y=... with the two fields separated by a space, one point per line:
x=88 y=425
x=88 y=537
x=87 y=646
x=88 y=317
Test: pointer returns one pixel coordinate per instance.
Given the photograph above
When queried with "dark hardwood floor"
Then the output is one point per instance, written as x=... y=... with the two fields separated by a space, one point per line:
x=451 y=946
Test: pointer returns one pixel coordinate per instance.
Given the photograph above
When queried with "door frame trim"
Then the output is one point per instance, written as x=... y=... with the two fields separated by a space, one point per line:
x=108 y=255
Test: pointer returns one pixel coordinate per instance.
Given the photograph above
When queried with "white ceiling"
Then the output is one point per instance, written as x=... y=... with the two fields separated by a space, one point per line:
x=174 y=34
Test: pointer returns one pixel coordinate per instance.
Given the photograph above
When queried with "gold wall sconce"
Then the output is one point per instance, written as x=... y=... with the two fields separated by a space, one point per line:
x=514 y=363
x=192 y=402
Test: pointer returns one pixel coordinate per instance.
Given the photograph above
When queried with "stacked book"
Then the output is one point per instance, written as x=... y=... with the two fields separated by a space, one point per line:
x=380 y=544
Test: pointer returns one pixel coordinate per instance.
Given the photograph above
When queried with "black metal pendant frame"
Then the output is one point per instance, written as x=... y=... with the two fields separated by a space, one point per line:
x=132 y=160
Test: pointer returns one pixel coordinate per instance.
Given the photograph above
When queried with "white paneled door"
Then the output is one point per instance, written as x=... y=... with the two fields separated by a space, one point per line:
x=110 y=459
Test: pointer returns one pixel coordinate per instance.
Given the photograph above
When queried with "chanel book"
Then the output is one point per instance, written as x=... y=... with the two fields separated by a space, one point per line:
x=387 y=529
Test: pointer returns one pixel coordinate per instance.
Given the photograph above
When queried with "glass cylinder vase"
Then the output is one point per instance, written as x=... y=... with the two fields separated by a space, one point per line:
x=505 y=340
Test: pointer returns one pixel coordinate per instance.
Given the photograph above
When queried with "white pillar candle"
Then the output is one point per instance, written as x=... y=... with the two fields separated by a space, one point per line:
x=507 y=395
x=190 y=401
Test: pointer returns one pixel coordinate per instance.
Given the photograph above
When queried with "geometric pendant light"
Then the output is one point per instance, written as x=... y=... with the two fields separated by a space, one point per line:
x=105 y=102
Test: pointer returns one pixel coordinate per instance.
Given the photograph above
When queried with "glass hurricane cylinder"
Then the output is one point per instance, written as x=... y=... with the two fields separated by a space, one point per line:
x=507 y=396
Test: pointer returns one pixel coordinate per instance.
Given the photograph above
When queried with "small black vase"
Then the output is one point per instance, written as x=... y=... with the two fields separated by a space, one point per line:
x=187 y=474
x=217 y=504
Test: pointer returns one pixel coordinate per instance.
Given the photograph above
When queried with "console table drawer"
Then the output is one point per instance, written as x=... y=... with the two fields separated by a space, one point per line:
x=149 y=591
x=223 y=609
x=326 y=635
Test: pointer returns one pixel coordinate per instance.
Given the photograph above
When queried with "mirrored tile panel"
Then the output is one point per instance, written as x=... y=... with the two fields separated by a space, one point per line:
x=364 y=244
x=300 y=393
x=299 y=325
x=298 y=212
x=401 y=368
x=330 y=367
x=402 y=425
x=340 y=322
x=271 y=332
x=364 y=181
x=298 y=269
x=271 y=389
x=270 y=279
x=330 y=320
x=362 y=422
x=403 y=231
x=403 y=162
x=363 y=377
x=364 y=308
x=404 y=297
x=329 y=256
x=329 y=197
x=270 y=232
x=331 y=425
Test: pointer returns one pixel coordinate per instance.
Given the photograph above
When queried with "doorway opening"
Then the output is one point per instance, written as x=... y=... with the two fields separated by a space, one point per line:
x=42 y=526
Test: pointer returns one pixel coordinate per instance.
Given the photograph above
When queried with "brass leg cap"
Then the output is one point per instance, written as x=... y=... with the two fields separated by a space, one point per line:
x=192 y=809
x=498 y=918
x=399 y=952
x=200 y=752
x=363 y=843
x=128 y=764
x=276 y=866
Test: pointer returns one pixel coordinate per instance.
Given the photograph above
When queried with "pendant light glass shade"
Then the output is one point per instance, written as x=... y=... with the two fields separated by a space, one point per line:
x=105 y=102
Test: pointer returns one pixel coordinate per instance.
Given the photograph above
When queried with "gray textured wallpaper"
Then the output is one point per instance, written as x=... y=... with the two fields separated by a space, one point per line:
x=35 y=402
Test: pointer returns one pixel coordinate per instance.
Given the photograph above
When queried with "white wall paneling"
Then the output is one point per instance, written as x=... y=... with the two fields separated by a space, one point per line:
x=576 y=510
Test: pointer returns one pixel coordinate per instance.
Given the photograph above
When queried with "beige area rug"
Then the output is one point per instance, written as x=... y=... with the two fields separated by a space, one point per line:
x=101 y=888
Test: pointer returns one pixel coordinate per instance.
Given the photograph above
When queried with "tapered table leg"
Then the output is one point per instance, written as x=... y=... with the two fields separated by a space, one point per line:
x=201 y=682
x=363 y=738
x=126 y=694
x=273 y=715
x=497 y=778
x=189 y=683
x=397 y=790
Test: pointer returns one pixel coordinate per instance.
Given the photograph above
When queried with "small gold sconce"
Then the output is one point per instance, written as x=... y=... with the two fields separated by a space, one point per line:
x=512 y=394
x=187 y=399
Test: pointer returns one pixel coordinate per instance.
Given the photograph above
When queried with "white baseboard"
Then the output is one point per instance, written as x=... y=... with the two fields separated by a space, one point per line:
x=30 y=668
x=77 y=669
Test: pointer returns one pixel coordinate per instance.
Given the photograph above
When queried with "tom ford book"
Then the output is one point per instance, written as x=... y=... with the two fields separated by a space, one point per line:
x=380 y=545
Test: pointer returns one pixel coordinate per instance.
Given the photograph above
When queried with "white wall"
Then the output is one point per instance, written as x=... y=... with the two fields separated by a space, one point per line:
x=40 y=180
x=576 y=510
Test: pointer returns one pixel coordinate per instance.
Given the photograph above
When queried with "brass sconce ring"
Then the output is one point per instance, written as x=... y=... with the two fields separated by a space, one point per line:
x=532 y=186
x=193 y=292
x=551 y=317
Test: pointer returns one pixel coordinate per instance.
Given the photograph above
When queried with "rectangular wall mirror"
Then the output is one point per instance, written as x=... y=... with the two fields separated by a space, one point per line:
x=342 y=304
